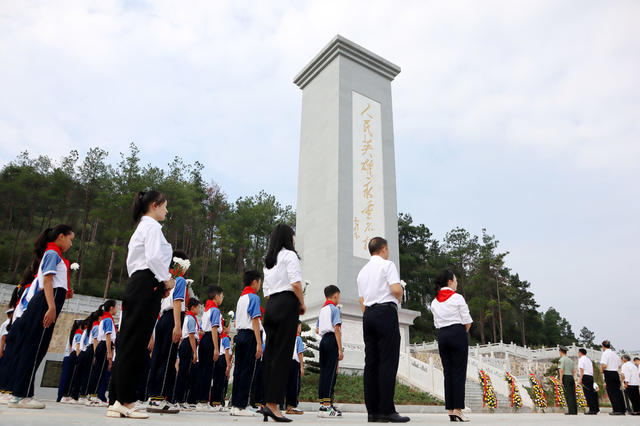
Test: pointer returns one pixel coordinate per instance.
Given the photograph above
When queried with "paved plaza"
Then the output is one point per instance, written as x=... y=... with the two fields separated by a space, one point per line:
x=60 y=414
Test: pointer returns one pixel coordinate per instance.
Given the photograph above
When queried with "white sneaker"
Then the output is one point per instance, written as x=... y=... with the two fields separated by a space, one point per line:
x=325 y=411
x=203 y=406
x=67 y=400
x=5 y=398
x=118 y=410
x=82 y=401
x=242 y=412
x=223 y=409
x=26 y=403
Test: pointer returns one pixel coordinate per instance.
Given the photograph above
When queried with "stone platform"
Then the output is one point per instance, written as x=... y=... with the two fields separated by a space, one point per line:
x=58 y=414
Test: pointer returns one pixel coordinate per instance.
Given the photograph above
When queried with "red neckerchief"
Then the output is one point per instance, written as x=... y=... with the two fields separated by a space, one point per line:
x=108 y=315
x=95 y=323
x=261 y=312
x=210 y=304
x=223 y=335
x=444 y=294
x=54 y=247
x=248 y=289
x=78 y=331
x=329 y=302
x=194 y=317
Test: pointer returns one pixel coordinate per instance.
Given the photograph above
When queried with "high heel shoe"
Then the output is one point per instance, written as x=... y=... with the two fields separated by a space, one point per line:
x=266 y=411
x=459 y=417
x=452 y=418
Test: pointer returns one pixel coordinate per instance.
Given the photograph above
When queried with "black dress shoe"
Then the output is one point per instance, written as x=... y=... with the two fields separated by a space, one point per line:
x=617 y=413
x=393 y=418
x=376 y=418
x=590 y=413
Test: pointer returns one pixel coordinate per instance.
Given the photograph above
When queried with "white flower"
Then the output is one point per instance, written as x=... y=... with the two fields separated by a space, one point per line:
x=189 y=281
x=74 y=266
x=403 y=284
x=231 y=313
x=182 y=263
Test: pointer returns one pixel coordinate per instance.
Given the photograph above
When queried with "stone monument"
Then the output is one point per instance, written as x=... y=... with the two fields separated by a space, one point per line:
x=347 y=180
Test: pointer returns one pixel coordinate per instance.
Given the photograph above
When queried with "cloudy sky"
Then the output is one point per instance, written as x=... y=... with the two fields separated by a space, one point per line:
x=521 y=117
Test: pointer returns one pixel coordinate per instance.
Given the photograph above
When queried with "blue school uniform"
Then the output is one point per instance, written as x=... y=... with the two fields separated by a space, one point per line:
x=328 y=319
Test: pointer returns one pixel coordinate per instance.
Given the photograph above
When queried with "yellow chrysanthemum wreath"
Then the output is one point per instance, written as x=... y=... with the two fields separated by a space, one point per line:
x=489 y=398
x=514 y=392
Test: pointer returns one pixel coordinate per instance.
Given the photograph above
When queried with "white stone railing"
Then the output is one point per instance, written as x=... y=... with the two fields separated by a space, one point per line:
x=497 y=376
x=426 y=377
x=512 y=349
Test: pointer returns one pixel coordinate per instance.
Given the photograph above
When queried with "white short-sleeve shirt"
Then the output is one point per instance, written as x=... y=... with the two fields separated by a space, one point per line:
x=283 y=275
x=587 y=366
x=375 y=279
x=3 y=328
x=630 y=372
x=611 y=360
x=452 y=311
x=149 y=249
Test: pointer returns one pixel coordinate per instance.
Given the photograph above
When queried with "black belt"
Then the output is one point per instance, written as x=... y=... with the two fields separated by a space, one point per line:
x=393 y=305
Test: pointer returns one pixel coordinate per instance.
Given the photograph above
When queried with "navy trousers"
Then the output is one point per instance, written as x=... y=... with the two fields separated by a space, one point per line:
x=80 y=380
x=186 y=373
x=162 y=374
x=245 y=367
x=205 y=367
x=219 y=379
x=69 y=365
x=453 y=345
x=328 y=367
x=34 y=343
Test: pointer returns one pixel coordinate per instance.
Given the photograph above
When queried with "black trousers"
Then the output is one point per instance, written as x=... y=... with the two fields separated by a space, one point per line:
x=100 y=366
x=186 y=373
x=205 y=367
x=83 y=372
x=293 y=384
x=453 y=345
x=34 y=342
x=381 y=356
x=612 y=380
x=140 y=306
x=633 y=392
x=569 y=386
x=143 y=378
x=219 y=379
x=257 y=390
x=590 y=394
x=281 y=316
x=245 y=368
x=162 y=374
x=328 y=367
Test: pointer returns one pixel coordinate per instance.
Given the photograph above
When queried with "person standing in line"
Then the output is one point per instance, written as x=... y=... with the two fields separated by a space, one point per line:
x=52 y=287
x=631 y=382
x=4 y=331
x=329 y=327
x=167 y=334
x=89 y=343
x=185 y=381
x=103 y=356
x=585 y=367
x=70 y=361
x=221 y=371
x=285 y=303
x=566 y=373
x=296 y=371
x=610 y=362
x=380 y=294
x=148 y=264
x=208 y=350
x=248 y=343
x=453 y=321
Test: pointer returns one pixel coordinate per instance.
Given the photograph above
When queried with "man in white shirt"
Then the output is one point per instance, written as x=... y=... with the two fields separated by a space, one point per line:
x=380 y=294
x=631 y=382
x=610 y=362
x=585 y=369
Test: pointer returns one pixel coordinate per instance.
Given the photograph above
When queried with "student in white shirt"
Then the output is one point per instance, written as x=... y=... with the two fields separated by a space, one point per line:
x=85 y=359
x=167 y=334
x=209 y=348
x=585 y=369
x=296 y=371
x=186 y=380
x=148 y=264
x=451 y=318
x=285 y=303
x=37 y=321
x=610 y=363
x=631 y=382
x=103 y=355
x=4 y=332
x=380 y=295
x=329 y=327
x=70 y=362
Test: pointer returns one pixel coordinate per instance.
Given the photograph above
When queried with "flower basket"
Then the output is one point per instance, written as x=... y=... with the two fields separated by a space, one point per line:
x=559 y=392
x=539 y=397
x=489 y=398
x=515 y=399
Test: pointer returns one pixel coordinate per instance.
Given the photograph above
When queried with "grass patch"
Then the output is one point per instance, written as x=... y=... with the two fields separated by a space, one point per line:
x=350 y=390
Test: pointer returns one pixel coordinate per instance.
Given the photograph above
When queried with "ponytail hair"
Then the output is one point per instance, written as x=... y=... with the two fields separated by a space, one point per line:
x=105 y=307
x=143 y=200
x=47 y=236
x=76 y=324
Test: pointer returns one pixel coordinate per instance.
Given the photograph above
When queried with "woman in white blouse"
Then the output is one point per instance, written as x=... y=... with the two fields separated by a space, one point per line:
x=285 y=303
x=149 y=279
x=451 y=318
